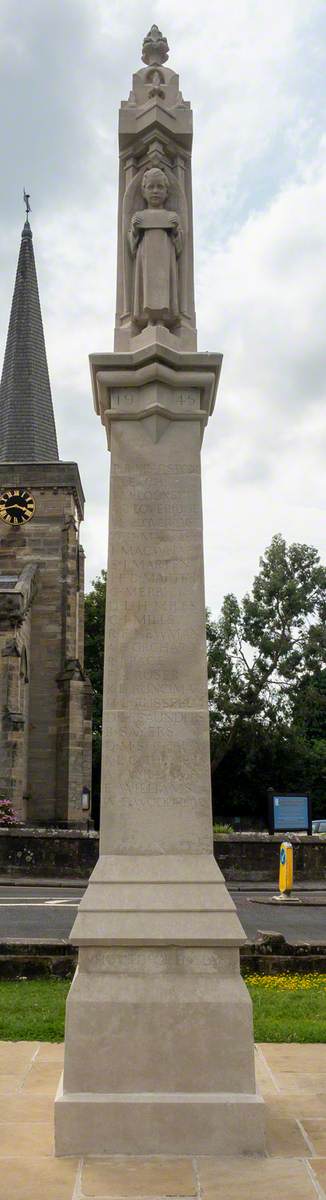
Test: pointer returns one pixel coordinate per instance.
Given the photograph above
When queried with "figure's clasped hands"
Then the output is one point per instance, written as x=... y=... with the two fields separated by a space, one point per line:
x=136 y=222
x=175 y=226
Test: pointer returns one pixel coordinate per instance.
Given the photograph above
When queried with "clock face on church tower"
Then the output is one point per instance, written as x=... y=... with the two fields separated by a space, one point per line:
x=16 y=506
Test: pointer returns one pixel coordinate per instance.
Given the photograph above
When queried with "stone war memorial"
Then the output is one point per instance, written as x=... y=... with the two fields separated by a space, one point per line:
x=159 y=1053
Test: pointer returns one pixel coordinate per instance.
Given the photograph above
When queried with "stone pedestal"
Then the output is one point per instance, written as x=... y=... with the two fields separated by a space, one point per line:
x=159 y=1042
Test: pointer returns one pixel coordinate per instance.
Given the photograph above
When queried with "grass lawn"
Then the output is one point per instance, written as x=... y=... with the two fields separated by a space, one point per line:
x=33 y=1010
x=287 y=1008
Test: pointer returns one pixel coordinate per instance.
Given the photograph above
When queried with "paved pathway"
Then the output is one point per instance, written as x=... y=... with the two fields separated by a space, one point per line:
x=292 y=1079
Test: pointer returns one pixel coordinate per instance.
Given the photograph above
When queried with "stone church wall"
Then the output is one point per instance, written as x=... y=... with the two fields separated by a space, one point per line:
x=45 y=756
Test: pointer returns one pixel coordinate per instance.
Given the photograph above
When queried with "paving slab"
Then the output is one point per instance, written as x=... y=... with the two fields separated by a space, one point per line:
x=319 y=1171
x=315 y=1130
x=294 y=1164
x=239 y=1179
x=139 y=1177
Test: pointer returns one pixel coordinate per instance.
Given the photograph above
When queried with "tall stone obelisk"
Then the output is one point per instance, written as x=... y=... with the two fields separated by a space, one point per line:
x=159 y=1041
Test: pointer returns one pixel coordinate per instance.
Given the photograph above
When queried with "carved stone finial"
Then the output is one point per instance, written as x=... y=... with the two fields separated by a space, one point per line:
x=155 y=47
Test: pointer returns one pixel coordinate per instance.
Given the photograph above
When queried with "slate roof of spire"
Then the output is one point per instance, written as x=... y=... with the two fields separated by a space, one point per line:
x=27 y=426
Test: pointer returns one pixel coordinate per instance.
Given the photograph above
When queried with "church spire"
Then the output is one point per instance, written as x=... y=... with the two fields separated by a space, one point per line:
x=27 y=427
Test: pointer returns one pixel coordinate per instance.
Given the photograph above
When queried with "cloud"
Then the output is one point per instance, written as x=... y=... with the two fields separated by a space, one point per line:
x=270 y=309
x=255 y=75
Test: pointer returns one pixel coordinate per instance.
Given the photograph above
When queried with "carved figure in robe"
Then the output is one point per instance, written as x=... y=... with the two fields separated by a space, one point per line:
x=155 y=239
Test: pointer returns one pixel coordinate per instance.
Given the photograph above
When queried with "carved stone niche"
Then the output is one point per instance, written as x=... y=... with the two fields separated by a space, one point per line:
x=154 y=81
x=155 y=262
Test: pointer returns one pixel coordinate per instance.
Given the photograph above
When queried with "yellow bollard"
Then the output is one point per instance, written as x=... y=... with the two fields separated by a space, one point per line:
x=286 y=868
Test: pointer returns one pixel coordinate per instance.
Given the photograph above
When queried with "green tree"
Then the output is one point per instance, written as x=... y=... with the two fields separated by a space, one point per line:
x=267 y=682
x=265 y=661
x=309 y=711
x=94 y=659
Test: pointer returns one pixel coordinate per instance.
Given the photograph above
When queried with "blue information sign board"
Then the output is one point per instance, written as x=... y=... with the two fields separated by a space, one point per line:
x=288 y=813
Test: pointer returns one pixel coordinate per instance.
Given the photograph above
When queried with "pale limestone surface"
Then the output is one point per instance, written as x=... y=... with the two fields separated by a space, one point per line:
x=159 y=1055
x=294 y=1165
x=156 y=887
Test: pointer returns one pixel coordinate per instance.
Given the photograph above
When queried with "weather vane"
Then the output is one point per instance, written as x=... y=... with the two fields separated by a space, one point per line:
x=26 y=200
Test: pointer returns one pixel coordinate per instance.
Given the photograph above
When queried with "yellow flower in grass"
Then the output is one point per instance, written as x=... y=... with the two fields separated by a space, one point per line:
x=287 y=983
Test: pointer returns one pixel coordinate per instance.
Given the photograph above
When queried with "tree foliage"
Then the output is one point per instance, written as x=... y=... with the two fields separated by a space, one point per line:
x=267 y=682
x=94 y=659
x=267 y=679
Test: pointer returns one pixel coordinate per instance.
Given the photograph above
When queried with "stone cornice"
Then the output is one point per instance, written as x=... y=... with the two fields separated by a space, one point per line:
x=154 y=365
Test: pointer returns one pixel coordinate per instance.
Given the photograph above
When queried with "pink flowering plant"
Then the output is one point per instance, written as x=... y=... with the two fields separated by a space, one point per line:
x=7 y=813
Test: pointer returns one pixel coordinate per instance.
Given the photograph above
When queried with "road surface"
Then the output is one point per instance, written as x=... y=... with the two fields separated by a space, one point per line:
x=49 y=912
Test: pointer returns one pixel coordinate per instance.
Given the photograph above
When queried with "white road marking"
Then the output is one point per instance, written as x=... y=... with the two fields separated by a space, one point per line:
x=39 y=904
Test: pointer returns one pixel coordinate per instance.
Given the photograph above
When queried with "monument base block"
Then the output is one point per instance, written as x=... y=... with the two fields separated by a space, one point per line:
x=159 y=1041
x=159 y=1123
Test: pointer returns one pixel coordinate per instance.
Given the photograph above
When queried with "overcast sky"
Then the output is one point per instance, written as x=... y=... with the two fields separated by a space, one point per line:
x=254 y=71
